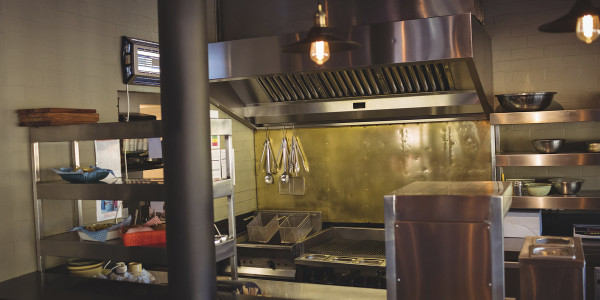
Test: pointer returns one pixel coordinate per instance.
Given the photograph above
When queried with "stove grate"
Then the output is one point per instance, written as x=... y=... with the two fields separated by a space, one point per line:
x=350 y=247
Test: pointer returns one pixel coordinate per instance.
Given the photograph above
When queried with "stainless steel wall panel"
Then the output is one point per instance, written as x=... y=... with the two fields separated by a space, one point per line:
x=352 y=167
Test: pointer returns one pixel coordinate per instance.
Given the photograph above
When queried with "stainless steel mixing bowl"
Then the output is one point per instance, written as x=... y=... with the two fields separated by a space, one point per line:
x=566 y=186
x=548 y=146
x=526 y=101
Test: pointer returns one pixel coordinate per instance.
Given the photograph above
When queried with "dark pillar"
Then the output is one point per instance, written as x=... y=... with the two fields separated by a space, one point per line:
x=186 y=131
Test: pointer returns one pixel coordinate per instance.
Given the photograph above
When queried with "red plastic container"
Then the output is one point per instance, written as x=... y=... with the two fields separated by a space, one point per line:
x=145 y=238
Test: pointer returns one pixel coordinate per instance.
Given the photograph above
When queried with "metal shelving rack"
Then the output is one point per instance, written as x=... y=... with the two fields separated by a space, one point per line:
x=584 y=200
x=68 y=244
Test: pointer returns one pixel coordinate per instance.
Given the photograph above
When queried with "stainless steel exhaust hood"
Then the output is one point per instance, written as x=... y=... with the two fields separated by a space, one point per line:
x=430 y=69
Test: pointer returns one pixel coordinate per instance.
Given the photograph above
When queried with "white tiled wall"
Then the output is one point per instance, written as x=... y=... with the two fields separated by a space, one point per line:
x=65 y=53
x=54 y=53
x=245 y=180
x=526 y=60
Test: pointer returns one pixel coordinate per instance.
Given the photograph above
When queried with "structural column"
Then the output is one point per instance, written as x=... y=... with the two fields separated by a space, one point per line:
x=186 y=148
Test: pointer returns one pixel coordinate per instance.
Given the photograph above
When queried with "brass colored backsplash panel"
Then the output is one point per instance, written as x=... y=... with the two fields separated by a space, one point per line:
x=352 y=168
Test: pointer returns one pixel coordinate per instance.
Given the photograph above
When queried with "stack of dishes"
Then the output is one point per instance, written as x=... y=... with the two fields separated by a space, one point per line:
x=83 y=267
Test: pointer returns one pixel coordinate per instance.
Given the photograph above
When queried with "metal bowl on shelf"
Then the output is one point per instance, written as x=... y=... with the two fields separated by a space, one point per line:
x=548 y=145
x=566 y=186
x=526 y=101
x=538 y=189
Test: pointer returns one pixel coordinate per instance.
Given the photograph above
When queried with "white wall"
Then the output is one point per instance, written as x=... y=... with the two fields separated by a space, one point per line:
x=65 y=53
x=526 y=60
x=54 y=53
x=245 y=181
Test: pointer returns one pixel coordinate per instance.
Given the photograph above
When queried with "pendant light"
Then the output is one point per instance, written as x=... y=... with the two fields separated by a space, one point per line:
x=320 y=42
x=582 y=18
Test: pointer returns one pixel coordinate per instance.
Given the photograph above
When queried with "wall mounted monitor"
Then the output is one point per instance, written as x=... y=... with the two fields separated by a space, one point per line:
x=140 y=62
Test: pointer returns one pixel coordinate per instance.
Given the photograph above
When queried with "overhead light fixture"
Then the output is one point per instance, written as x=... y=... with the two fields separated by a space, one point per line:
x=320 y=42
x=582 y=19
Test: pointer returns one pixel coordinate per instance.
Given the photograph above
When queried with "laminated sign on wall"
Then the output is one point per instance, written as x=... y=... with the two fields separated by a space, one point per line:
x=108 y=210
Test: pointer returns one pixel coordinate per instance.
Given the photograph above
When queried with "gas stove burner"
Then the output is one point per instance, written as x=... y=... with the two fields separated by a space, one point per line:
x=316 y=256
x=370 y=261
x=345 y=259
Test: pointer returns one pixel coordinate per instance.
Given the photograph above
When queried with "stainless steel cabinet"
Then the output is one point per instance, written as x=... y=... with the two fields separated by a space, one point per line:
x=68 y=244
x=585 y=200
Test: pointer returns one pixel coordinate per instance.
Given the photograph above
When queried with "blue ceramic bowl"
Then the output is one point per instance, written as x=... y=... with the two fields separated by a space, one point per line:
x=83 y=177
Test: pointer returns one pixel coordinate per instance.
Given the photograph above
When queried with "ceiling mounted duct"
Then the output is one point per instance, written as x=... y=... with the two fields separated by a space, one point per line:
x=429 y=69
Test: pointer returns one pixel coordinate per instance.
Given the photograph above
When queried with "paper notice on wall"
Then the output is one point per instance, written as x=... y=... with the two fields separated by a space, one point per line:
x=108 y=156
x=108 y=210
x=215 y=154
x=154 y=148
x=224 y=164
x=215 y=142
x=216 y=170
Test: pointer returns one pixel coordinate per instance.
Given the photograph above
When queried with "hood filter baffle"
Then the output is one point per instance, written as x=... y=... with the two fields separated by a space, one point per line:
x=387 y=80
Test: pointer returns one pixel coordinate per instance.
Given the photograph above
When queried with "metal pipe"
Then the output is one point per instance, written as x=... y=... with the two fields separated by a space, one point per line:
x=186 y=141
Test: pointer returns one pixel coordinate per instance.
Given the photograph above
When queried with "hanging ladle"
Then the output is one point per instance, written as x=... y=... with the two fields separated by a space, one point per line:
x=267 y=160
x=297 y=157
x=283 y=158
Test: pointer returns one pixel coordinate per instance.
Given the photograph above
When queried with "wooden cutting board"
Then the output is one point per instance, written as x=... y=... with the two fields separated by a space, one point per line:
x=36 y=119
x=49 y=123
x=55 y=110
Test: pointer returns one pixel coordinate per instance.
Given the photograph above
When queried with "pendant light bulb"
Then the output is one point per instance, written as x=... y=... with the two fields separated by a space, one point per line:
x=319 y=49
x=588 y=28
x=319 y=52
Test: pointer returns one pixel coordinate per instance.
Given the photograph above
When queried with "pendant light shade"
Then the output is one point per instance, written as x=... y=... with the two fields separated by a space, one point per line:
x=320 y=41
x=336 y=44
x=568 y=22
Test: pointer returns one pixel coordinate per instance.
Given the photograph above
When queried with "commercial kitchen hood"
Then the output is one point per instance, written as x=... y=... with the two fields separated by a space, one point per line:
x=418 y=70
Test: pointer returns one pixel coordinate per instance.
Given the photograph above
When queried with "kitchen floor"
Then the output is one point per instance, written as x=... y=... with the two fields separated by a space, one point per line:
x=310 y=291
